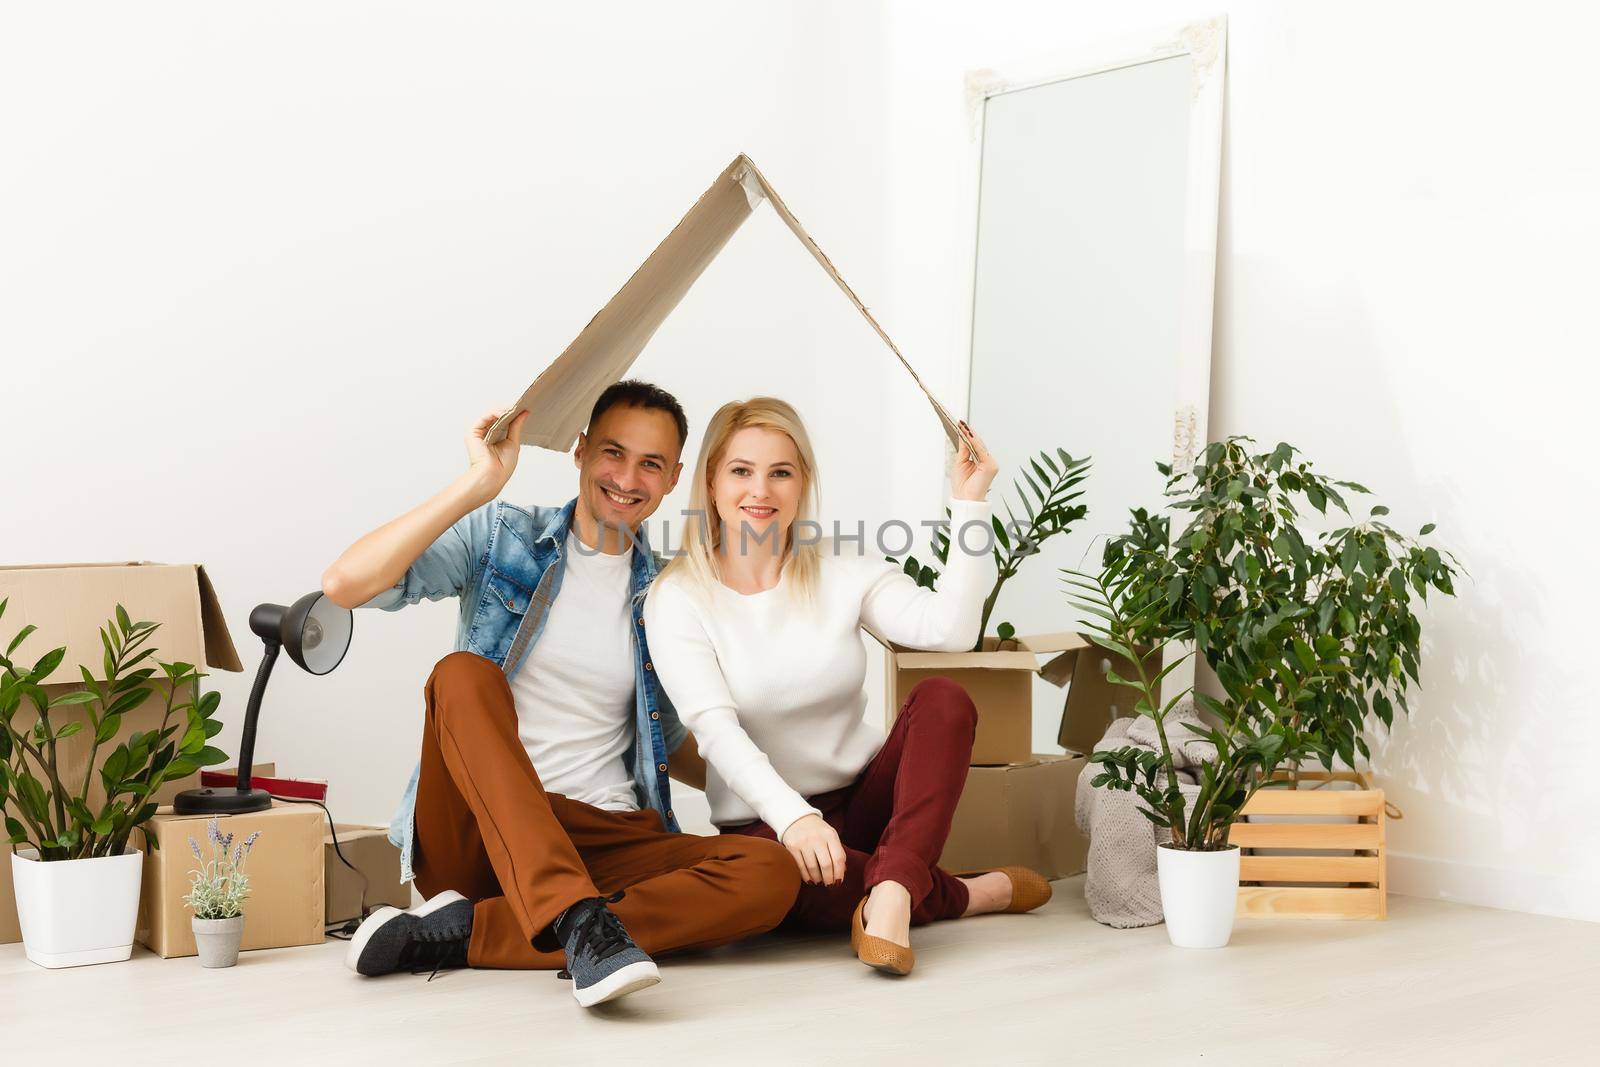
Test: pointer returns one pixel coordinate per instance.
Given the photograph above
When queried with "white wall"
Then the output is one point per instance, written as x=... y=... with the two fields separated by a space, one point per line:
x=261 y=266
x=1405 y=290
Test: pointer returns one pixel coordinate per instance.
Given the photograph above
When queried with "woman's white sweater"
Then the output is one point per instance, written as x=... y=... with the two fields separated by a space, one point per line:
x=773 y=688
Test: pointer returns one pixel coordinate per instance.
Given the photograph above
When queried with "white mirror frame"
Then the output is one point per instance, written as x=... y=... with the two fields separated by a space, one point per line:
x=1206 y=42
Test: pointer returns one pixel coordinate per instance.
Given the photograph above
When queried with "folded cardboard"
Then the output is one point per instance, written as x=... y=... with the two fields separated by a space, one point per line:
x=285 y=868
x=560 y=398
x=375 y=880
x=1093 y=699
x=1020 y=814
x=998 y=679
x=69 y=603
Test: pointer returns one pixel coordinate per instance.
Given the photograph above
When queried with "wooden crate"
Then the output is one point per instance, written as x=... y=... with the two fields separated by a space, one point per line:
x=1328 y=870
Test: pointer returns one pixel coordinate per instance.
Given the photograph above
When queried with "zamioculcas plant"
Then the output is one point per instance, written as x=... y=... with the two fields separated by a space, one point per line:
x=1052 y=486
x=55 y=814
x=1270 y=602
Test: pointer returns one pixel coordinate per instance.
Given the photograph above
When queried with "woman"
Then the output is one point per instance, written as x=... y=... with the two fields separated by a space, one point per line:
x=755 y=632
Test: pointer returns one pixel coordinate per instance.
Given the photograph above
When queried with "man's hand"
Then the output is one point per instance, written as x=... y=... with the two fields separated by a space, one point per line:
x=491 y=466
x=816 y=849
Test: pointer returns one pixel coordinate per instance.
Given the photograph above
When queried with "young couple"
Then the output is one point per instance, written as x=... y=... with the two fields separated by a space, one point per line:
x=539 y=823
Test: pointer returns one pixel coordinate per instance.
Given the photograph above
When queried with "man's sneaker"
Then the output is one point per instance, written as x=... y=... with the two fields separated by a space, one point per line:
x=602 y=960
x=432 y=936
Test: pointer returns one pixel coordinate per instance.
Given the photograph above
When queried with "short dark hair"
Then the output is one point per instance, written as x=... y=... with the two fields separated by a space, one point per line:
x=632 y=393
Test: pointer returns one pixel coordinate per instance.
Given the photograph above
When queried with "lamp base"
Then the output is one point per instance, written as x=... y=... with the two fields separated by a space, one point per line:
x=221 y=801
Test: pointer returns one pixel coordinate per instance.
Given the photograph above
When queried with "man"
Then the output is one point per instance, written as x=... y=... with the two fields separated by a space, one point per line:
x=539 y=822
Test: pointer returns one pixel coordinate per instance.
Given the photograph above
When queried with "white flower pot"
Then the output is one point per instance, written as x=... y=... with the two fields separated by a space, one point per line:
x=77 y=912
x=1199 y=895
x=217 y=940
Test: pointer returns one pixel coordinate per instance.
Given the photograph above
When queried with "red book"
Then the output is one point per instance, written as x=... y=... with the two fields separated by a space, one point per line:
x=298 y=788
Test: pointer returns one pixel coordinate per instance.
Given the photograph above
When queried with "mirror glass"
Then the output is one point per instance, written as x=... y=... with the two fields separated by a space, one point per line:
x=1077 y=308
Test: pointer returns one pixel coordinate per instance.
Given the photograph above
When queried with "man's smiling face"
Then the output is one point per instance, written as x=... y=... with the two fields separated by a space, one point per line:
x=627 y=464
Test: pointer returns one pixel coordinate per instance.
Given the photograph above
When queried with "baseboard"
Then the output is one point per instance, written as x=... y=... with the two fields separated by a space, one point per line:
x=1494 y=887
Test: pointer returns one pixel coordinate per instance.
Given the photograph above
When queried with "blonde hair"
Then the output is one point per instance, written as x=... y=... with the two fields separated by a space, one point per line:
x=702 y=540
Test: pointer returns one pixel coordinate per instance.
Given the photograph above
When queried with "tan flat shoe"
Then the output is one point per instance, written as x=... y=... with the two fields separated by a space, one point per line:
x=1029 y=889
x=876 y=952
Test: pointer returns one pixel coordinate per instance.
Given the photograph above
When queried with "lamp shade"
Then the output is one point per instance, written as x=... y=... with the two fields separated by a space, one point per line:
x=316 y=632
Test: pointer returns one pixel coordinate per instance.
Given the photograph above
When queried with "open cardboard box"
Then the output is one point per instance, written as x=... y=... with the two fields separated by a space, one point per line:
x=1093 y=699
x=998 y=679
x=69 y=603
x=560 y=399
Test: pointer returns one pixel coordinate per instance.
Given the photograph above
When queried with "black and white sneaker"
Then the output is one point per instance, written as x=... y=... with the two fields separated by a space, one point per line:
x=602 y=960
x=431 y=936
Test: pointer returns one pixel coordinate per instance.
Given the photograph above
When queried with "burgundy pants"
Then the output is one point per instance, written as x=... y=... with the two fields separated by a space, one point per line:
x=894 y=818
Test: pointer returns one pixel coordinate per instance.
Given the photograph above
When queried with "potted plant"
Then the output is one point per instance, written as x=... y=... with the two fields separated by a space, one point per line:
x=1307 y=632
x=1198 y=868
x=1252 y=587
x=217 y=894
x=1052 y=482
x=76 y=876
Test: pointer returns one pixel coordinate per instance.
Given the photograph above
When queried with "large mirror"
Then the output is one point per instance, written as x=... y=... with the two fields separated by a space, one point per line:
x=1093 y=267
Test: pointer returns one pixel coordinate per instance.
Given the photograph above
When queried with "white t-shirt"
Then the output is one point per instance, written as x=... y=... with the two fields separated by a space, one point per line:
x=575 y=694
x=773 y=689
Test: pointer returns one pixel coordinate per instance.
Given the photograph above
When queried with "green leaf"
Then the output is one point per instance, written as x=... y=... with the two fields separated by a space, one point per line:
x=122 y=619
x=108 y=729
x=128 y=701
x=22 y=635
x=66 y=731
x=210 y=756
x=77 y=696
x=1426 y=530
x=48 y=663
x=1000 y=532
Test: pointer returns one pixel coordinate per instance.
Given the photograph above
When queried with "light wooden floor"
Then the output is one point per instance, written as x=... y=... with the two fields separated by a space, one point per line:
x=1435 y=983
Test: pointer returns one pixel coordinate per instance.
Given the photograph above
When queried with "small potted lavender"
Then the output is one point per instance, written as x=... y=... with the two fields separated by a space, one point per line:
x=217 y=895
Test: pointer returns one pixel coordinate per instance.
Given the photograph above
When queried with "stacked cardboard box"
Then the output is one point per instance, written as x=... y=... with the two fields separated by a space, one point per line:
x=1017 y=806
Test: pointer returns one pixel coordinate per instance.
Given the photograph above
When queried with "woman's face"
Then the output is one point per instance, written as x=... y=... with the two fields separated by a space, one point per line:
x=756 y=488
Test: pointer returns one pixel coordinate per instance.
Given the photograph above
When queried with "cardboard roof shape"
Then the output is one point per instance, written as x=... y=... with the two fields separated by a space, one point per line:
x=560 y=399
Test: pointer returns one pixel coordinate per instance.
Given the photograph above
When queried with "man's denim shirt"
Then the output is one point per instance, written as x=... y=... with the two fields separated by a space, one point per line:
x=505 y=563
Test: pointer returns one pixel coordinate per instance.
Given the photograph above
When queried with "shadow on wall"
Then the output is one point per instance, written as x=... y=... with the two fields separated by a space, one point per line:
x=1295 y=358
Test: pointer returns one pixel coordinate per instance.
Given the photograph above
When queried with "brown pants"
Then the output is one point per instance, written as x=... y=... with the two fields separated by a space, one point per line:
x=486 y=828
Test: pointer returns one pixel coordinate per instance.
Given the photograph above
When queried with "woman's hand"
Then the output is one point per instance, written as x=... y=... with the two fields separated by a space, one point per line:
x=816 y=849
x=492 y=465
x=970 y=478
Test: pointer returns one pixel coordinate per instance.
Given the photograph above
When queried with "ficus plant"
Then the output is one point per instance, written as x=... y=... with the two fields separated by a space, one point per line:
x=1316 y=624
x=1252 y=734
x=54 y=815
x=1048 y=503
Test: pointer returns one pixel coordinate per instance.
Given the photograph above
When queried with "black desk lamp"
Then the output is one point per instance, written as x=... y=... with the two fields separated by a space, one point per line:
x=316 y=633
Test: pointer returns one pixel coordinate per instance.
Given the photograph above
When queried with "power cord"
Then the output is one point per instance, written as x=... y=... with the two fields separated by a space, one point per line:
x=343 y=931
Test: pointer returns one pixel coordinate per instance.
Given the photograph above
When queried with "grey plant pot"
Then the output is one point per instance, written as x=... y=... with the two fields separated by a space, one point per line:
x=218 y=940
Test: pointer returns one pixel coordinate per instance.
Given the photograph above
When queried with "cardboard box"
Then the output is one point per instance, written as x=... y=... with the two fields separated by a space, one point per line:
x=561 y=397
x=1093 y=700
x=999 y=680
x=69 y=603
x=1019 y=814
x=286 y=878
x=375 y=879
